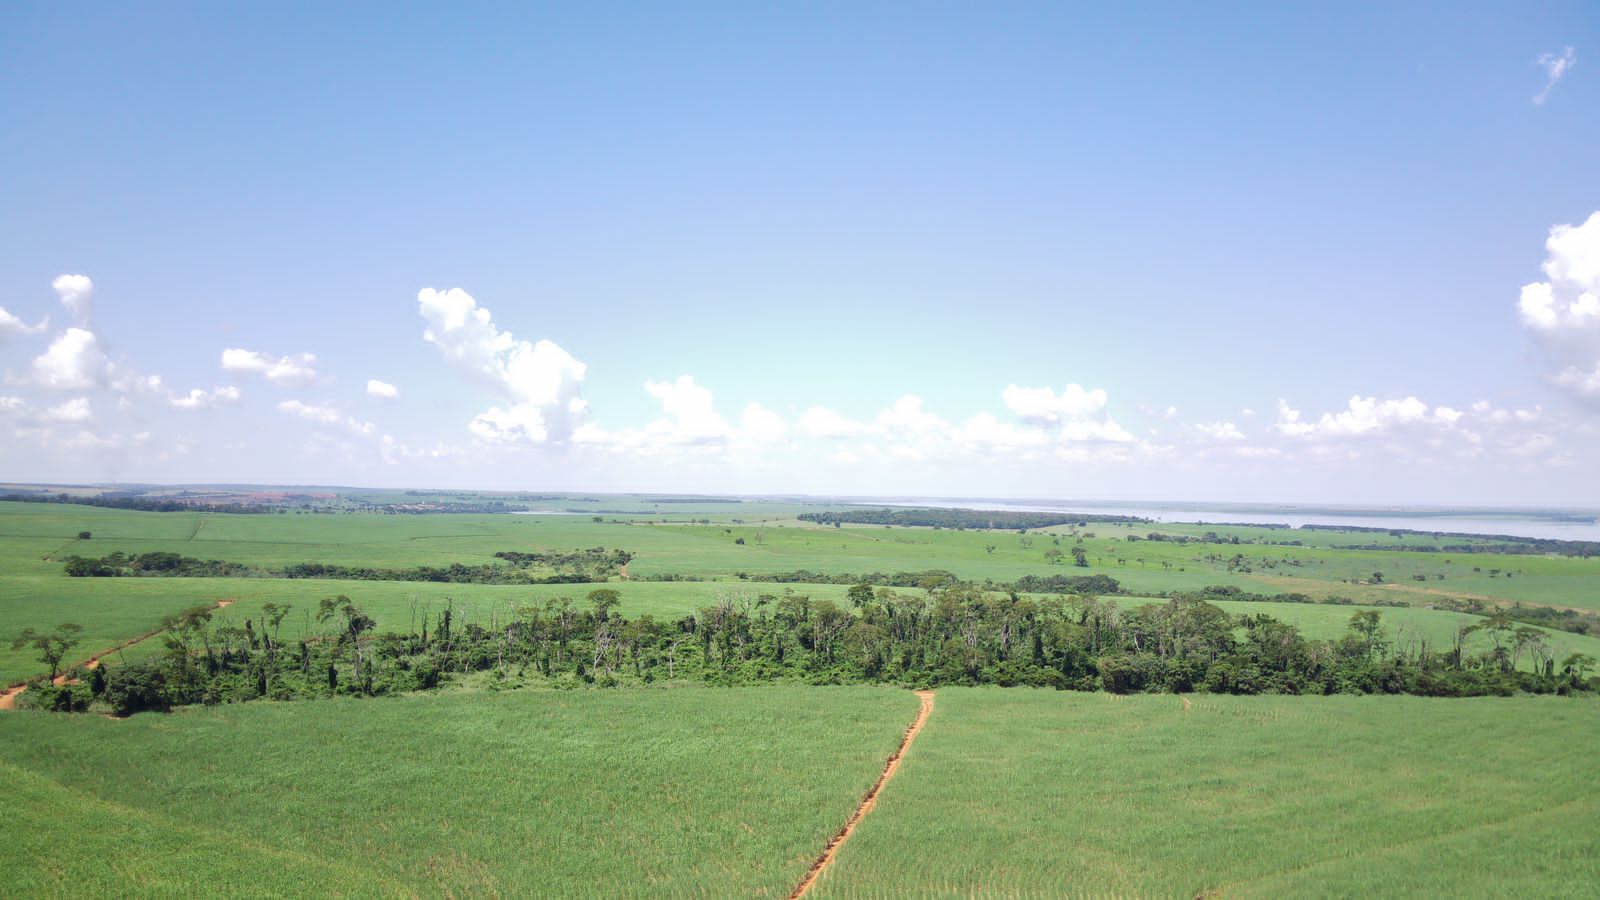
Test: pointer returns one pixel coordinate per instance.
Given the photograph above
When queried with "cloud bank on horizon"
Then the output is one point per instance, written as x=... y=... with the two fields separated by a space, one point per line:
x=72 y=406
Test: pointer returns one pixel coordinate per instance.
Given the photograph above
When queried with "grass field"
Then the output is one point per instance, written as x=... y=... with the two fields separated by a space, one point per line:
x=1024 y=793
x=600 y=793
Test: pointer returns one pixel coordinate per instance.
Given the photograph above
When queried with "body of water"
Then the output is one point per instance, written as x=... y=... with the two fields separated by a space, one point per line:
x=1560 y=525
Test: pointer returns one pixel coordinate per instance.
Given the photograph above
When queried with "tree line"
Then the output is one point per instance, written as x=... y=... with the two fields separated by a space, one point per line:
x=571 y=567
x=957 y=635
x=978 y=519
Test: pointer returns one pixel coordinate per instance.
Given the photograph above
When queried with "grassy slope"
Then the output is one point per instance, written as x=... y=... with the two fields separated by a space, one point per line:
x=595 y=793
x=1029 y=793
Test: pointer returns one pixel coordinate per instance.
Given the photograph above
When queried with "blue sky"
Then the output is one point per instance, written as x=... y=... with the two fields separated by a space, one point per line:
x=1196 y=211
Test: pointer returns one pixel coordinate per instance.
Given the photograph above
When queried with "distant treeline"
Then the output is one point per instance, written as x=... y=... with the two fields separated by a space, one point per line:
x=1483 y=543
x=960 y=635
x=959 y=518
x=1543 y=616
x=142 y=504
x=572 y=567
x=934 y=579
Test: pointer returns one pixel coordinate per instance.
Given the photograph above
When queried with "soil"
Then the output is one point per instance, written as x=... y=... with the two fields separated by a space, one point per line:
x=867 y=802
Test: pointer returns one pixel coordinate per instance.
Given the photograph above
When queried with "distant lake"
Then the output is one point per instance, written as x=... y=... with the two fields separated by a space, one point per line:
x=1560 y=525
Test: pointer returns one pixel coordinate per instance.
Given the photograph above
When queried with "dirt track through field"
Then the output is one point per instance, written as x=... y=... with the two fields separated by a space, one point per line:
x=8 y=697
x=867 y=802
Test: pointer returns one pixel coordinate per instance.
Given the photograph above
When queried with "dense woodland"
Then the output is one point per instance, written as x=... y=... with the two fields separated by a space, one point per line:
x=957 y=635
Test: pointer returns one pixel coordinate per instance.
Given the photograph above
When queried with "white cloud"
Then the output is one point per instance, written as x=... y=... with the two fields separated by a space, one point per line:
x=76 y=410
x=325 y=414
x=1362 y=416
x=203 y=399
x=543 y=379
x=907 y=415
x=1556 y=66
x=1563 y=312
x=294 y=371
x=821 y=422
x=1220 y=431
x=690 y=410
x=761 y=425
x=74 y=362
x=1044 y=405
x=381 y=389
x=10 y=325
x=76 y=293
x=10 y=406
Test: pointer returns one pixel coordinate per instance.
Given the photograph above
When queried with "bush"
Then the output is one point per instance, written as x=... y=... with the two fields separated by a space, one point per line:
x=140 y=688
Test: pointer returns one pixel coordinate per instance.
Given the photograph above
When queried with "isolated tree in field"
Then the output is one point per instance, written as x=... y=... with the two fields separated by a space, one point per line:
x=52 y=646
x=1080 y=558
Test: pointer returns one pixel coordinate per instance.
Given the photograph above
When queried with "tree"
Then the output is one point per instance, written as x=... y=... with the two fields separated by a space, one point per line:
x=356 y=623
x=1369 y=625
x=1080 y=558
x=52 y=646
x=1577 y=665
x=859 y=595
x=604 y=600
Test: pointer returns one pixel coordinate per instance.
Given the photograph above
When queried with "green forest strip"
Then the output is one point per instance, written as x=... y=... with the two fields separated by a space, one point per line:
x=962 y=635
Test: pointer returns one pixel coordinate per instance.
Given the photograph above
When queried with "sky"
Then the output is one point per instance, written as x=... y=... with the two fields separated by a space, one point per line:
x=1209 y=252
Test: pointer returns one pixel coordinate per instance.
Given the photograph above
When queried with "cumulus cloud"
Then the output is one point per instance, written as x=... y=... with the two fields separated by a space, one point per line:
x=542 y=379
x=690 y=409
x=75 y=361
x=1044 y=405
x=1077 y=414
x=198 y=398
x=821 y=422
x=1562 y=313
x=1220 y=431
x=76 y=293
x=76 y=411
x=381 y=389
x=325 y=414
x=294 y=371
x=1556 y=66
x=1362 y=416
x=10 y=325
x=760 y=425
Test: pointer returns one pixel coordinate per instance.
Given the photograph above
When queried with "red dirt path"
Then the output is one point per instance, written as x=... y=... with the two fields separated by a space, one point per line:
x=8 y=697
x=867 y=802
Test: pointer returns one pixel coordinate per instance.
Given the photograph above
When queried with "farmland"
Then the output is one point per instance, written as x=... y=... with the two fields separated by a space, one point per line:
x=672 y=792
x=673 y=726
x=1146 y=796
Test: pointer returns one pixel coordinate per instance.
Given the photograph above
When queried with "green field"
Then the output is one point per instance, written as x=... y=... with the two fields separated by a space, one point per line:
x=506 y=781
x=1026 y=793
x=35 y=538
x=668 y=792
